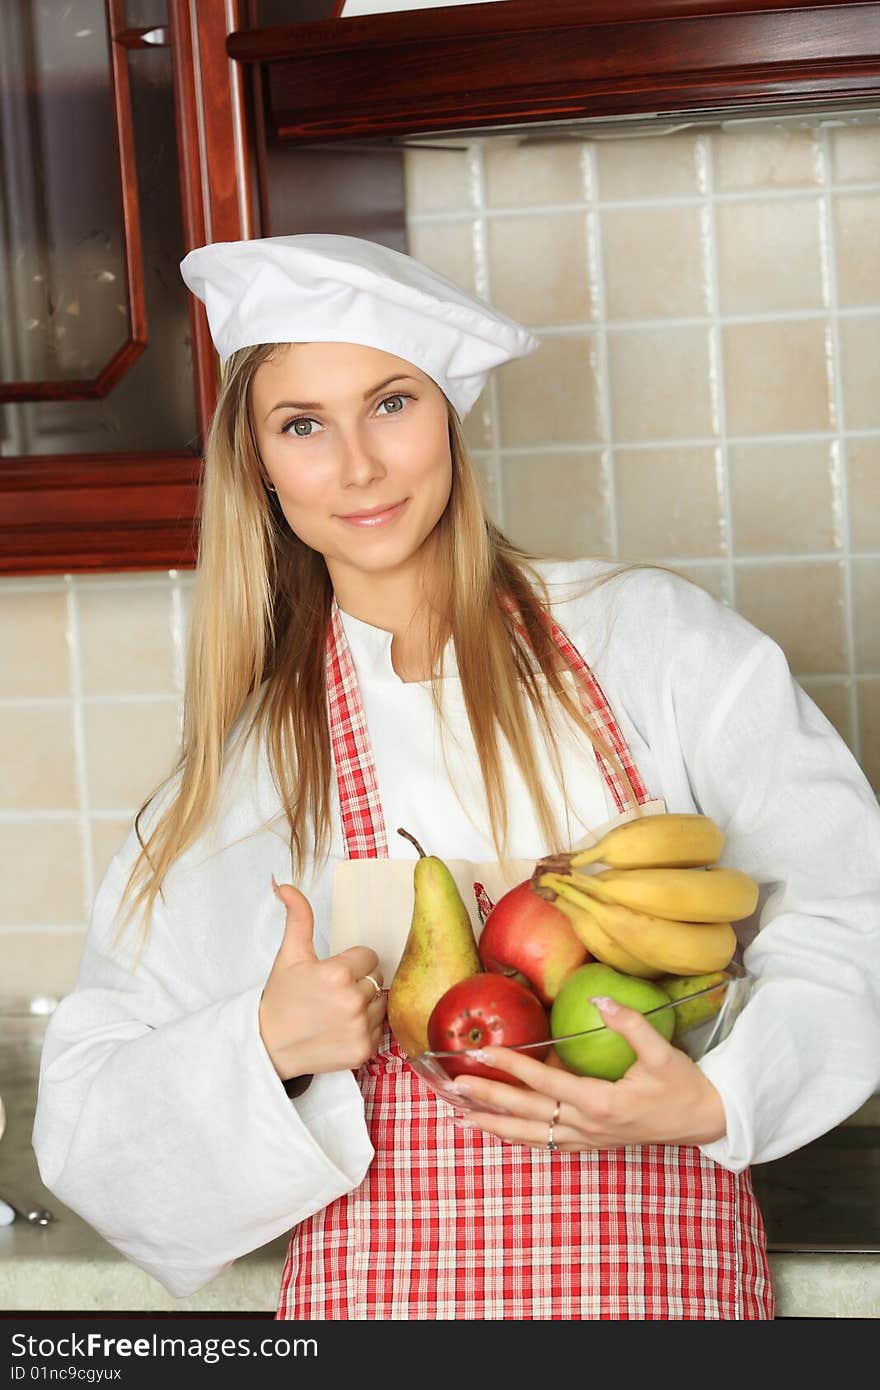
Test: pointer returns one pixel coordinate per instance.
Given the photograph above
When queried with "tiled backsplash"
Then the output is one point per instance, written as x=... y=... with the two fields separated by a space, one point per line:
x=707 y=394
x=91 y=698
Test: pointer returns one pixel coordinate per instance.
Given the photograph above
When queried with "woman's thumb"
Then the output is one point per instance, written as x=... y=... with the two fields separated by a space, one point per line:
x=298 y=941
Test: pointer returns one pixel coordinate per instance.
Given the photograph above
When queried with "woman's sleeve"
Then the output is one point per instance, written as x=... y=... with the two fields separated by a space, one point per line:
x=799 y=817
x=163 y=1123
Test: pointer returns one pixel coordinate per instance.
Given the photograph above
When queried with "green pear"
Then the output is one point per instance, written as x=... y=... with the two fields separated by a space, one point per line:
x=692 y=1012
x=441 y=950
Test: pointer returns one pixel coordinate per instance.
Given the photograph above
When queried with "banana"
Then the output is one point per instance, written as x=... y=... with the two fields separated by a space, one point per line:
x=685 y=895
x=578 y=911
x=672 y=947
x=663 y=841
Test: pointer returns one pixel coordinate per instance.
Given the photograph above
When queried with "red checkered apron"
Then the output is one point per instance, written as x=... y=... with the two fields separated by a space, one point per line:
x=453 y=1223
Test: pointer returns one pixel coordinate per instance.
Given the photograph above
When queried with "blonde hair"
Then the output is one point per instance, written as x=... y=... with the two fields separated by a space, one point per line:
x=256 y=654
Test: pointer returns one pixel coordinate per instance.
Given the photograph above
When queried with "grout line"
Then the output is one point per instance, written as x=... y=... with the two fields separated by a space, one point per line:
x=80 y=752
x=694 y=442
x=37 y=701
x=817 y=557
x=840 y=678
x=62 y=928
x=509 y=211
x=839 y=449
x=483 y=278
x=178 y=639
x=36 y=583
x=716 y=367
x=57 y=584
x=48 y=813
x=596 y=273
x=662 y=325
x=834 y=677
x=60 y=701
x=128 y=579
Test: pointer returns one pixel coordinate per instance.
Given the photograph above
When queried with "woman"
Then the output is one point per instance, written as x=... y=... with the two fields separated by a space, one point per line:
x=233 y=1078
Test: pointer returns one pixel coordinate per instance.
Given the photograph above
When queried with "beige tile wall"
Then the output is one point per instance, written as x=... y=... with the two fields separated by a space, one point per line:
x=90 y=708
x=707 y=394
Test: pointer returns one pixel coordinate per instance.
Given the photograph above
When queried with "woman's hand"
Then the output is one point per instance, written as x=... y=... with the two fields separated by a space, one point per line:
x=318 y=1015
x=663 y=1098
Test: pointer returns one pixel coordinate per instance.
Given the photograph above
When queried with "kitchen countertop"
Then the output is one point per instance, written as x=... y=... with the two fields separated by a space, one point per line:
x=67 y=1266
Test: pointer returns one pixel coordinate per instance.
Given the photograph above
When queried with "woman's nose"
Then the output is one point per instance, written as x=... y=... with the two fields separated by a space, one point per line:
x=359 y=463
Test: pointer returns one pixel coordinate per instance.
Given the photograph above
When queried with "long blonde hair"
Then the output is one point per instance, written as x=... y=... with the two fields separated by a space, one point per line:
x=256 y=654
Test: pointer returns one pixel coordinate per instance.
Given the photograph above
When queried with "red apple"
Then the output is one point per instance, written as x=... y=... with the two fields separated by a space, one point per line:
x=482 y=1011
x=527 y=937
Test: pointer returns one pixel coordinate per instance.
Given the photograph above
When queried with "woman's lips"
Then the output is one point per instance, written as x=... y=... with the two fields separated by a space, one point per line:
x=376 y=518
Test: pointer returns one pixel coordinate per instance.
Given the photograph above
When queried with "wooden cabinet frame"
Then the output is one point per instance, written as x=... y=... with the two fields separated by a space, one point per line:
x=526 y=61
x=128 y=352
x=466 y=68
x=130 y=511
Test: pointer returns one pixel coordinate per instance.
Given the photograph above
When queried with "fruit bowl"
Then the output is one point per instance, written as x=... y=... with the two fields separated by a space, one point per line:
x=696 y=1041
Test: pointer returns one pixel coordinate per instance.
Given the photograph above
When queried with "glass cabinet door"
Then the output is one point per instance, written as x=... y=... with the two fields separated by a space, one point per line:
x=106 y=376
x=95 y=352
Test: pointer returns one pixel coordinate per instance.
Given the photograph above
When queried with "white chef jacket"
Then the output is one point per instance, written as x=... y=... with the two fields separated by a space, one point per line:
x=160 y=1117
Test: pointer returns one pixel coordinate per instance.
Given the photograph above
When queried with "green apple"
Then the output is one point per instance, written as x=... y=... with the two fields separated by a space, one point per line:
x=693 y=1012
x=603 y=1053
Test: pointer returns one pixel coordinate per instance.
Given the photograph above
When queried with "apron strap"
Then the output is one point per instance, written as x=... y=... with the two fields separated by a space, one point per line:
x=363 y=824
x=596 y=710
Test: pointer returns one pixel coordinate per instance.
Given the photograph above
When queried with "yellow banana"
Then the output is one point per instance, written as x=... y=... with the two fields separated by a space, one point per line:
x=577 y=909
x=684 y=895
x=663 y=841
x=674 y=948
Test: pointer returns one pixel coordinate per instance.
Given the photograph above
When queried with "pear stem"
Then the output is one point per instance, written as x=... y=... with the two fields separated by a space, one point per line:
x=413 y=841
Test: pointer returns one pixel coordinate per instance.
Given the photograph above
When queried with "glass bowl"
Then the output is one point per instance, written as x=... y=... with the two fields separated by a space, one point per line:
x=695 y=1041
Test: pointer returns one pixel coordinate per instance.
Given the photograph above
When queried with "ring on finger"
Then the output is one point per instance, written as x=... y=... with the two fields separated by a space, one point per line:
x=551 y=1144
x=375 y=983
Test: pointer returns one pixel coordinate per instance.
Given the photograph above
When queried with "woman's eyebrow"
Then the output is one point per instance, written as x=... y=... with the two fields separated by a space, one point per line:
x=316 y=405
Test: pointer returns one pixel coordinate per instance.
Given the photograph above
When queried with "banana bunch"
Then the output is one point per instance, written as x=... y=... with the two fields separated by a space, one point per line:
x=659 y=908
x=666 y=841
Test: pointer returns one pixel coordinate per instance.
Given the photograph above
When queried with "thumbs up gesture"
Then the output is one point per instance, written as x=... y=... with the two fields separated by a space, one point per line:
x=318 y=1015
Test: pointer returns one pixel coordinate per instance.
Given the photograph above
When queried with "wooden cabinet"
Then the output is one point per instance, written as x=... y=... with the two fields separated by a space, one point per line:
x=524 y=61
x=232 y=125
x=124 y=144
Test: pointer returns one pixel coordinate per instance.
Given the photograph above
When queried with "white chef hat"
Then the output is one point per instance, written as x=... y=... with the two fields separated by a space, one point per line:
x=341 y=289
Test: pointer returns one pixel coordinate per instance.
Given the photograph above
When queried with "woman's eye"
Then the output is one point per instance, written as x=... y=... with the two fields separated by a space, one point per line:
x=302 y=426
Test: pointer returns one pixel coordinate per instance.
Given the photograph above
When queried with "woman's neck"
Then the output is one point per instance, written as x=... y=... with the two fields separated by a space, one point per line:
x=396 y=604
